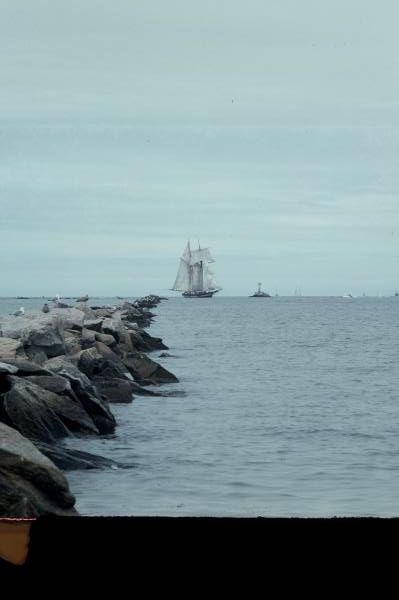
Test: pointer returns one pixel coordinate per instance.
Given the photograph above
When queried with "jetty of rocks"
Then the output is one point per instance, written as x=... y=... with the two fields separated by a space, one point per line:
x=60 y=372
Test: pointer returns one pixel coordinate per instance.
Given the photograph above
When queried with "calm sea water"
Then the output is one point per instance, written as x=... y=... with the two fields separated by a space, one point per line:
x=285 y=407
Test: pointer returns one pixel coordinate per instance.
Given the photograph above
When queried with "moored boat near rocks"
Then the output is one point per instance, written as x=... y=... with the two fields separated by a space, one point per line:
x=60 y=372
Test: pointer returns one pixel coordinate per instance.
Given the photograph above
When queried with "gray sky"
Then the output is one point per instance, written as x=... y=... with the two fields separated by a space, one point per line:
x=267 y=129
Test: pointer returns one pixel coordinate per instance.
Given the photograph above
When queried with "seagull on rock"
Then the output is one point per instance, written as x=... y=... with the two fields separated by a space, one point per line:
x=19 y=312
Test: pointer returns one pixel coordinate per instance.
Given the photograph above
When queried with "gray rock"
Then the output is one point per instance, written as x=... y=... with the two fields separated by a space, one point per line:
x=53 y=383
x=9 y=369
x=144 y=342
x=153 y=343
x=88 y=338
x=63 y=401
x=112 y=327
x=10 y=349
x=71 y=459
x=103 y=312
x=30 y=484
x=25 y=407
x=72 y=341
x=85 y=392
x=27 y=367
x=93 y=324
x=86 y=310
x=102 y=361
x=36 y=354
x=114 y=389
x=143 y=368
x=106 y=339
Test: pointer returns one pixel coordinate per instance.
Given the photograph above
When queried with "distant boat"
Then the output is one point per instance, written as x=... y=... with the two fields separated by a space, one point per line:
x=347 y=296
x=194 y=278
x=259 y=293
x=297 y=292
x=396 y=293
x=23 y=297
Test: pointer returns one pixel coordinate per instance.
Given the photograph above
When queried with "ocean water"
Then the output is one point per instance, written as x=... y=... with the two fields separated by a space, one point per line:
x=285 y=407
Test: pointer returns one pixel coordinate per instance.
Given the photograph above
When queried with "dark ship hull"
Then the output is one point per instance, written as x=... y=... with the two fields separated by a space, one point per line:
x=199 y=294
x=260 y=295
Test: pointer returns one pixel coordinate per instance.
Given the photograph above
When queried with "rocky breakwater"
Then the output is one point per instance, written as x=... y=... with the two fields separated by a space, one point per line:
x=60 y=372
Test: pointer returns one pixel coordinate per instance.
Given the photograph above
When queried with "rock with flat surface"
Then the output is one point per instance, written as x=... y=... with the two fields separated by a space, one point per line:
x=11 y=348
x=93 y=324
x=114 y=389
x=143 y=368
x=71 y=459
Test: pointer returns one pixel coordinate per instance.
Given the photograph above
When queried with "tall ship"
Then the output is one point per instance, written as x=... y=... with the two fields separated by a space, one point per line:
x=195 y=278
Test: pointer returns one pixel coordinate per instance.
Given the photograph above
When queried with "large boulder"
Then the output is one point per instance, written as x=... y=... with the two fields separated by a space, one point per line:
x=112 y=327
x=93 y=324
x=68 y=318
x=144 y=342
x=86 y=310
x=43 y=331
x=71 y=459
x=30 y=484
x=144 y=369
x=88 y=338
x=36 y=354
x=8 y=369
x=36 y=329
x=53 y=383
x=102 y=361
x=72 y=341
x=25 y=408
x=106 y=339
x=95 y=406
x=115 y=389
x=27 y=367
x=63 y=401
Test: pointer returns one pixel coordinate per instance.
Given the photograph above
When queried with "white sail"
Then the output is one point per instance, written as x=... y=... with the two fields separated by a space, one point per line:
x=182 y=281
x=187 y=254
x=209 y=279
x=194 y=274
x=202 y=254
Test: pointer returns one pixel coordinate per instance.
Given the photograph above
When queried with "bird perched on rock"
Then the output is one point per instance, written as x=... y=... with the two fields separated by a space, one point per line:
x=19 y=312
x=83 y=298
x=46 y=308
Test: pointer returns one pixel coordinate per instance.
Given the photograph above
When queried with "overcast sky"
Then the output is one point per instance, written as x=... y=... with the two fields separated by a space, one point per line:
x=267 y=129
